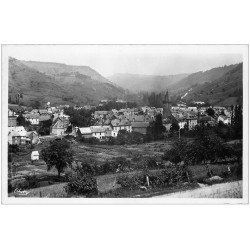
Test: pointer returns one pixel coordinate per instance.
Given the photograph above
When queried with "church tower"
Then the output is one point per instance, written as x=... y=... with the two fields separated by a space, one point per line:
x=166 y=106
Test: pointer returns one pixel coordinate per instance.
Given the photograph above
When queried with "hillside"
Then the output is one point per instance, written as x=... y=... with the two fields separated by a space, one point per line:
x=55 y=69
x=33 y=85
x=198 y=78
x=137 y=82
x=58 y=83
x=225 y=90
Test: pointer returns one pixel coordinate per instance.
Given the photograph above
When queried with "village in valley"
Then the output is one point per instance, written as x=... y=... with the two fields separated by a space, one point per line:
x=30 y=130
x=73 y=133
x=108 y=123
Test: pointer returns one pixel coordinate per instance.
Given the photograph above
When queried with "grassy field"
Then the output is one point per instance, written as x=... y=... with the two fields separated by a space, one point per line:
x=99 y=154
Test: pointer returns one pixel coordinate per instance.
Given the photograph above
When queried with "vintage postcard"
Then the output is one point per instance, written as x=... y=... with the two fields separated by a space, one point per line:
x=125 y=124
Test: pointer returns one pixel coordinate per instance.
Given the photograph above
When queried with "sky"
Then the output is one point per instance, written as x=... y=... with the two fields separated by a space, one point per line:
x=133 y=59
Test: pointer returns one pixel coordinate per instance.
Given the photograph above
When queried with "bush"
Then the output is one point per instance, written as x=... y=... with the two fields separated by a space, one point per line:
x=21 y=183
x=80 y=182
x=156 y=180
x=13 y=148
x=32 y=180
x=130 y=182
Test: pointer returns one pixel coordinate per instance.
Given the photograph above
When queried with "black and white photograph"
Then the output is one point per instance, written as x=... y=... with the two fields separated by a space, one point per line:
x=124 y=124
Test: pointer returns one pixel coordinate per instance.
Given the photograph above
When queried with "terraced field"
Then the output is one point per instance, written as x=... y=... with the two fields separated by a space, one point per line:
x=101 y=153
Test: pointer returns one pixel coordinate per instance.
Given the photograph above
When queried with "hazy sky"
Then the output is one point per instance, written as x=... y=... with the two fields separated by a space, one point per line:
x=135 y=59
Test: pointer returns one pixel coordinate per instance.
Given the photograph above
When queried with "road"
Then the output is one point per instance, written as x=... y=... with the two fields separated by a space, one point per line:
x=222 y=190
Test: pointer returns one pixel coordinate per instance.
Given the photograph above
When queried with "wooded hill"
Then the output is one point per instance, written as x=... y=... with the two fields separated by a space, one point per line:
x=58 y=83
x=225 y=91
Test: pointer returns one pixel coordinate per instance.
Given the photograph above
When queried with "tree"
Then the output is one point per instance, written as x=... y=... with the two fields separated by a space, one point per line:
x=177 y=153
x=58 y=155
x=174 y=127
x=45 y=127
x=21 y=121
x=237 y=122
x=80 y=181
x=156 y=129
x=207 y=148
x=69 y=129
x=79 y=118
x=210 y=112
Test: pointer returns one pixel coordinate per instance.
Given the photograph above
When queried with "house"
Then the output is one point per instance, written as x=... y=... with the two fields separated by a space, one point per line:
x=108 y=130
x=43 y=112
x=100 y=114
x=136 y=118
x=192 y=122
x=12 y=121
x=43 y=118
x=118 y=125
x=182 y=123
x=192 y=109
x=11 y=112
x=17 y=135
x=140 y=127
x=59 y=126
x=199 y=103
x=224 y=119
x=34 y=156
x=33 y=118
x=85 y=132
x=181 y=104
x=32 y=137
x=207 y=120
x=98 y=132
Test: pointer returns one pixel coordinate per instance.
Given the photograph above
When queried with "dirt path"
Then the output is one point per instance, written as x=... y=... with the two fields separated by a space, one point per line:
x=223 y=190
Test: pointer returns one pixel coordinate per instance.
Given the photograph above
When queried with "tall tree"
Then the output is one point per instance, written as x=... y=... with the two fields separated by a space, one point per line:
x=156 y=128
x=210 y=112
x=58 y=155
x=237 y=122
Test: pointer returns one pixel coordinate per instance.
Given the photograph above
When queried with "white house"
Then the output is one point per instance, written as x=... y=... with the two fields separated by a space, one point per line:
x=17 y=135
x=182 y=123
x=192 y=122
x=33 y=118
x=98 y=132
x=120 y=125
x=224 y=119
x=35 y=155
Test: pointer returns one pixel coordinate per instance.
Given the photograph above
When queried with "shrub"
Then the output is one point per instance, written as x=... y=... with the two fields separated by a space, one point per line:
x=130 y=182
x=13 y=148
x=156 y=179
x=80 y=183
x=21 y=183
x=32 y=180
x=177 y=153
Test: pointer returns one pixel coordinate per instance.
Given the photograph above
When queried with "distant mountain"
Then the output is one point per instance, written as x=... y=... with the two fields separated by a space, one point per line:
x=198 y=78
x=226 y=90
x=136 y=82
x=57 y=69
x=58 y=83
